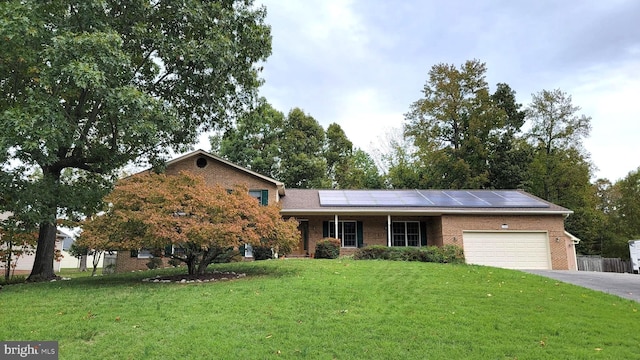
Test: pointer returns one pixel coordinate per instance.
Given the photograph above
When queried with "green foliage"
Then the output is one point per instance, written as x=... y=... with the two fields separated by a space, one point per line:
x=262 y=253
x=95 y=85
x=327 y=248
x=302 y=146
x=78 y=250
x=452 y=125
x=254 y=141
x=154 y=263
x=296 y=150
x=445 y=254
x=509 y=155
x=174 y=262
x=15 y=279
x=228 y=255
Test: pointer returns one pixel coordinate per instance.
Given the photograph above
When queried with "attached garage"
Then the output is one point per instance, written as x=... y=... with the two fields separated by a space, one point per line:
x=508 y=249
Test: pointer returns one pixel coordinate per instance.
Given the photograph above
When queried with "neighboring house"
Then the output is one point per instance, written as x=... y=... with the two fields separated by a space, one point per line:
x=24 y=263
x=503 y=228
x=69 y=261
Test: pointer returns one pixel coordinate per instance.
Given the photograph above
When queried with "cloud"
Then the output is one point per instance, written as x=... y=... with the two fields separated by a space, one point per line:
x=361 y=63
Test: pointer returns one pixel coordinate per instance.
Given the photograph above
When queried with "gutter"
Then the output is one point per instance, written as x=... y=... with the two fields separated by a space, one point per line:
x=292 y=212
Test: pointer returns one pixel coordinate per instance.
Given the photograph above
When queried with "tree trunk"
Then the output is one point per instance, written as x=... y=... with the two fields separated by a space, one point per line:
x=96 y=260
x=43 y=263
x=191 y=266
x=83 y=262
x=7 y=269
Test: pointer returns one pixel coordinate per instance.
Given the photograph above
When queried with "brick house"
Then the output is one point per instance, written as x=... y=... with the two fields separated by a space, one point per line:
x=503 y=228
x=215 y=170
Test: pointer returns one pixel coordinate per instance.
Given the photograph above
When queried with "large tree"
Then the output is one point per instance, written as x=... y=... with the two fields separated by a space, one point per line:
x=302 y=152
x=92 y=85
x=561 y=171
x=509 y=155
x=200 y=221
x=254 y=141
x=452 y=125
x=358 y=171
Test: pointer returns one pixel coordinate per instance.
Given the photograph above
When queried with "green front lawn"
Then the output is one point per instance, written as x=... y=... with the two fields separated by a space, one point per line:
x=325 y=309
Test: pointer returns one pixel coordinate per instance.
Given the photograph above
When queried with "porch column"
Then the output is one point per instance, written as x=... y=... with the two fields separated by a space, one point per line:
x=335 y=224
x=389 y=230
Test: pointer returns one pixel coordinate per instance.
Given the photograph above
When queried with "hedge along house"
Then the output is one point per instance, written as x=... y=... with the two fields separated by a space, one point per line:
x=503 y=228
x=215 y=170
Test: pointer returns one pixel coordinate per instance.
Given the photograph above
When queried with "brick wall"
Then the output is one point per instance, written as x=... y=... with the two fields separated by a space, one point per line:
x=124 y=262
x=560 y=245
x=227 y=176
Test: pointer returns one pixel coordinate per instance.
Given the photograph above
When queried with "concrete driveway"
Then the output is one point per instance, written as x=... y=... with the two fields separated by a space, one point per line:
x=623 y=285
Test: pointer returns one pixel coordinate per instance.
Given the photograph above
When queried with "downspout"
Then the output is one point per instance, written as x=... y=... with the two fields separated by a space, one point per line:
x=388 y=230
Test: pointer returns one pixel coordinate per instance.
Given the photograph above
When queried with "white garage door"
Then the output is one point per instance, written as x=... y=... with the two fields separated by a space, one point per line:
x=510 y=250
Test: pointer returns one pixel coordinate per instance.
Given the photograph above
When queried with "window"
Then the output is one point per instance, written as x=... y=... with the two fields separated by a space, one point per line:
x=142 y=254
x=346 y=232
x=261 y=195
x=405 y=233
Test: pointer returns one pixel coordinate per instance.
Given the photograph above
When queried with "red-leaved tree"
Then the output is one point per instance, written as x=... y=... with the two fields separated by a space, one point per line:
x=200 y=221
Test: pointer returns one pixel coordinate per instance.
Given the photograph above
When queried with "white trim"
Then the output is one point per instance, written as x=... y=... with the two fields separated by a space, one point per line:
x=388 y=230
x=422 y=211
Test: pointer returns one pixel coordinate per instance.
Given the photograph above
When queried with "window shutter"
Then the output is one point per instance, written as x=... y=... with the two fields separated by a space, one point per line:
x=325 y=229
x=359 y=234
x=168 y=250
x=134 y=253
x=265 y=197
x=423 y=233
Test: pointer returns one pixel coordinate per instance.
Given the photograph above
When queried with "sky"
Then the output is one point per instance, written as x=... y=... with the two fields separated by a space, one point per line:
x=361 y=63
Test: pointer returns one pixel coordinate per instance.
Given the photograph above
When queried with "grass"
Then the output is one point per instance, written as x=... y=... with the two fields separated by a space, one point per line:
x=325 y=309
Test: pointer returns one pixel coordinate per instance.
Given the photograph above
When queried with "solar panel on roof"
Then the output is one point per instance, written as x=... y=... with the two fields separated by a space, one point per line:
x=429 y=198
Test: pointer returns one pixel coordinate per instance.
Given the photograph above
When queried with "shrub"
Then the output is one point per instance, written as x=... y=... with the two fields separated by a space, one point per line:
x=453 y=254
x=175 y=262
x=154 y=263
x=372 y=252
x=262 y=253
x=227 y=256
x=328 y=248
x=14 y=279
x=445 y=254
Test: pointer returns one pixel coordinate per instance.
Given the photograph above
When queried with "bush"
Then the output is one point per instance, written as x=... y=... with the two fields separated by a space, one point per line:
x=154 y=263
x=373 y=252
x=262 y=253
x=14 y=279
x=227 y=256
x=435 y=254
x=453 y=254
x=328 y=248
x=175 y=262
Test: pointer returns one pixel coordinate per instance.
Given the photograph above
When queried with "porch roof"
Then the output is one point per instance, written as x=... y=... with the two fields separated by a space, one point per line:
x=308 y=202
